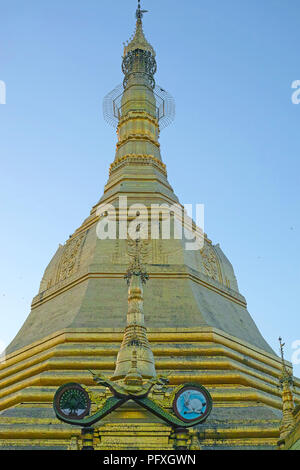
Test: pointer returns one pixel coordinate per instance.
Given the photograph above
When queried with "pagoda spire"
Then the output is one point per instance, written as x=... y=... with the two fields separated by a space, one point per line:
x=139 y=108
x=138 y=40
x=135 y=360
x=286 y=382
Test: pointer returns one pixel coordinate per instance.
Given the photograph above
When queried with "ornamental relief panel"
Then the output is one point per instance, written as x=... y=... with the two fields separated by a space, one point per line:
x=211 y=265
x=152 y=252
x=124 y=250
x=69 y=262
x=144 y=250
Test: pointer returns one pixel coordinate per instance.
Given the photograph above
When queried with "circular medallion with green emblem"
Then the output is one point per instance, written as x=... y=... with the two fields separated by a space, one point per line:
x=72 y=401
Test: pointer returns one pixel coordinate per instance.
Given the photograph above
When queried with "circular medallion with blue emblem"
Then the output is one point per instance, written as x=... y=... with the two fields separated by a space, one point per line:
x=192 y=403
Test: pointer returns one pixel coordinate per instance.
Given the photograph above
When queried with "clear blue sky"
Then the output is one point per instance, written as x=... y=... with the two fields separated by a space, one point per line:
x=234 y=145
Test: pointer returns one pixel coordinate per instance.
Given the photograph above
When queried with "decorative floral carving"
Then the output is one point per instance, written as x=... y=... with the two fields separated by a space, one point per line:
x=210 y=263
x=69 y=261
x=152 y=251
x=138 y=159
x=97 y=399
x=144 y=249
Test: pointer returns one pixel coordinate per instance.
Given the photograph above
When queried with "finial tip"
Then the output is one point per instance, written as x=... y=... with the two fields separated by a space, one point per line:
x=140 y=13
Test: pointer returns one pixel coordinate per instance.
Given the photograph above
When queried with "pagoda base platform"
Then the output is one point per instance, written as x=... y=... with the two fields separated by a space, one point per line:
x=242 y=379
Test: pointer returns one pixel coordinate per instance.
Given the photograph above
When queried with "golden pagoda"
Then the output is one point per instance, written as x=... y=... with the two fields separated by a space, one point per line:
x=198 y=327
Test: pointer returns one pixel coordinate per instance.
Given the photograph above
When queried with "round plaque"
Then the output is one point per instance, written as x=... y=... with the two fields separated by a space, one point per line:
x=72 y=401
x=192 y=403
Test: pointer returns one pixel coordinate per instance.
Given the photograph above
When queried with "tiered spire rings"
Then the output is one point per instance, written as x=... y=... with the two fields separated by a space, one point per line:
x=135 y=359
